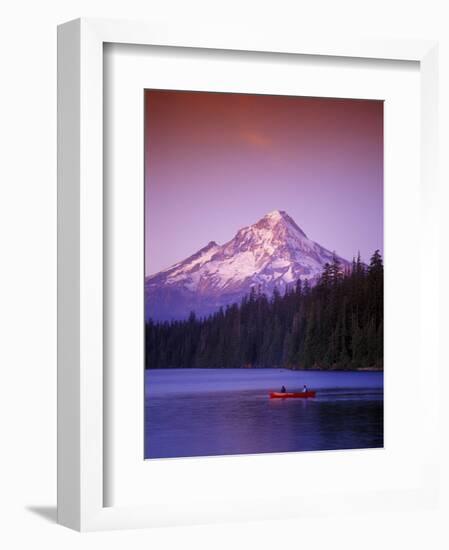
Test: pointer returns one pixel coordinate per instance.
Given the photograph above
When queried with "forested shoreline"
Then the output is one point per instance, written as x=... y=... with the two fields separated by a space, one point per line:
x=335 y=325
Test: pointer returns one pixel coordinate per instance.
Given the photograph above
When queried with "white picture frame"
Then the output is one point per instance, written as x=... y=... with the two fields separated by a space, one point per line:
x=81 y=403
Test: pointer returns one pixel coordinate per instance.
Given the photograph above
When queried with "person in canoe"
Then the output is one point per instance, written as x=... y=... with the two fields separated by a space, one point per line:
x=304 y=389
x=283 y=390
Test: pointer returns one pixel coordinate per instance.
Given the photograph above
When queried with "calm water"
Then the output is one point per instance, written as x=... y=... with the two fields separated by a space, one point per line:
x=205 y=412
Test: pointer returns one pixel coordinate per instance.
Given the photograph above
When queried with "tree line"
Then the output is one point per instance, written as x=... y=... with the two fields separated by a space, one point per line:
x=335 y=324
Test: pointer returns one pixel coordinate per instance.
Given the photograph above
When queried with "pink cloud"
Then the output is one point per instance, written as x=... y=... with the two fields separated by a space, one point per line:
x=256 y=138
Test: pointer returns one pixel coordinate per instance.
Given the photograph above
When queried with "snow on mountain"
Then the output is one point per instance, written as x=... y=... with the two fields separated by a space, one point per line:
x=274 y=252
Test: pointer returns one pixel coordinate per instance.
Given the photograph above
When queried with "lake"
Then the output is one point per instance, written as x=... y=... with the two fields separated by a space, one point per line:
x=209 y=412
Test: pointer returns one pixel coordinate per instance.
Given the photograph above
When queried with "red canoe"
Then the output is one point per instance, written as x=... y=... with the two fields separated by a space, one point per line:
x=283 y=395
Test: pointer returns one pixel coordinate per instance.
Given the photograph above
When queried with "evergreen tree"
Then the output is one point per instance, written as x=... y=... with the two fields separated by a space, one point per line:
x=338 y=323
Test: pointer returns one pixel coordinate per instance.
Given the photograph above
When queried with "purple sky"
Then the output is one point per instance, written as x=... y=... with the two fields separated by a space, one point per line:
x=217 y=162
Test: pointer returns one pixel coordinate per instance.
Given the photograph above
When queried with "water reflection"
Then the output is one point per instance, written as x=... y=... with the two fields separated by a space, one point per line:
x=210 y=422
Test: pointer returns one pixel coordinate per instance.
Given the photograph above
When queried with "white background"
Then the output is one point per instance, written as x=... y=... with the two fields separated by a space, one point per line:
x=28 y=270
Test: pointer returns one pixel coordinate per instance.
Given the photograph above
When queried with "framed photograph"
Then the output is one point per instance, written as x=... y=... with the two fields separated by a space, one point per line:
x=268 y=342
x=243 y=225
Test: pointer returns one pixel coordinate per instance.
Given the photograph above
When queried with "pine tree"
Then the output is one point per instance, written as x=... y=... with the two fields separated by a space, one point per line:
x=336 y=323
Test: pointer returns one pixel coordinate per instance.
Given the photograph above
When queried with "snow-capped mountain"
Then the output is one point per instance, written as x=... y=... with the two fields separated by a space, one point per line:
x=274 y=252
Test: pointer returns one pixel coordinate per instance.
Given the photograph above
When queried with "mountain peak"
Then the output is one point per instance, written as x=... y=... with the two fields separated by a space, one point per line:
x=272 y=253
x=279 y=218
x=276 y=215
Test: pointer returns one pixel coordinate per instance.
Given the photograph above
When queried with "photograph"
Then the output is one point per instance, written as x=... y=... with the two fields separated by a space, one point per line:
x=229 y=222
x=264 y=274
